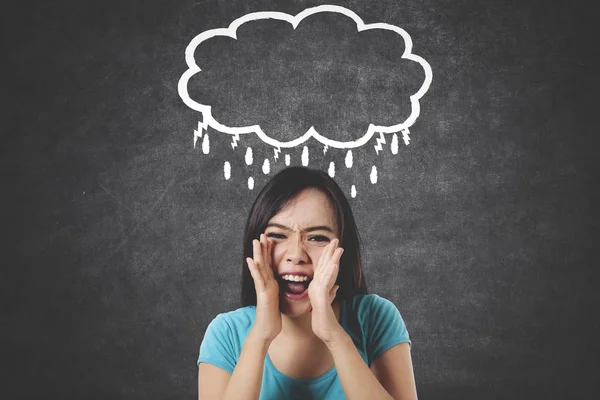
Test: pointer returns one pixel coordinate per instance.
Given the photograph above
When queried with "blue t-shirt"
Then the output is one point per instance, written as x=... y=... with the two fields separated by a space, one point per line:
x=373 y=322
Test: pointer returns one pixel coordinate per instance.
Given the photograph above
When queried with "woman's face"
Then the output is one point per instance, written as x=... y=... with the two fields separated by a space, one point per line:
x=300 y=232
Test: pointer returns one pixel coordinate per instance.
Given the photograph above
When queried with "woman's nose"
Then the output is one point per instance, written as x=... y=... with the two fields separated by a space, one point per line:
x=296 y=253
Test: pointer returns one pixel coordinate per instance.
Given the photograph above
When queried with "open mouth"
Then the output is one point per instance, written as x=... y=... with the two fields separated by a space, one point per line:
x=294 y=290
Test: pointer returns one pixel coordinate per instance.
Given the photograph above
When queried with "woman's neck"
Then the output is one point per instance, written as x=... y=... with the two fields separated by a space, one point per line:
x=300 y=329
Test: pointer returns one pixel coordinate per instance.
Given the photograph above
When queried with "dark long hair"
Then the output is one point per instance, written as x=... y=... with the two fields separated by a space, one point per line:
x=282 y=188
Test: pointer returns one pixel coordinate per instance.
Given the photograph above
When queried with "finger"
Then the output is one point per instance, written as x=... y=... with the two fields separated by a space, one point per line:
x=269 y=262
x=335 y=243
x=337 y=256
x=334 y=261
x=332 y=248
x=333 y=293
x=324 y=258
x=333 y=267
x=332 y=274
x=266 y=267
x=258 y=281
x=258 y=258
x=264 y=245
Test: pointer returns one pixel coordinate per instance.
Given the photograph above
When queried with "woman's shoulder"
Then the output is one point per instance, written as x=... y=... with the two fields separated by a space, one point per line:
x=371 y=310
x=377 y=313
x=224 y=337
x=365 y=303
x=240 y=319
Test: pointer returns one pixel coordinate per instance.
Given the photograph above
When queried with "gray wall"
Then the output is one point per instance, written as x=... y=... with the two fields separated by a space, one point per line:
x=121 y=241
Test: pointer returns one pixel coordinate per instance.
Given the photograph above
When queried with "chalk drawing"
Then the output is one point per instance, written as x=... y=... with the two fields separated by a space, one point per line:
x=227 y=170
x=348 y=159
x=405 y=136
x=380 y=141
x=379 y=131
x=205 y=144
x=231 y=31
x=234 y=141
x=394 y=145
x=305 y=156
x=198 y=132
x=373 y=175
x=331 y=170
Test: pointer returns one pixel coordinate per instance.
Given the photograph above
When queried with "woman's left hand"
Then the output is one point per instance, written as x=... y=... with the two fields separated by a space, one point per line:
x=321 y=292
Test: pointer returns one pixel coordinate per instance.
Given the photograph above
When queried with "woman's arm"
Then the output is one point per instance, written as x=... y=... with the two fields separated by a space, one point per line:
x=246 y=379
x=359 y=382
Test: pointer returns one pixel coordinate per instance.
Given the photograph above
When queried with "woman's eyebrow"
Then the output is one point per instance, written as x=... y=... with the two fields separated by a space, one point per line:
x=312 y=228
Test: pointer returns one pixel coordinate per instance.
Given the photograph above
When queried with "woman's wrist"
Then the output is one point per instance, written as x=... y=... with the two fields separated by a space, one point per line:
x=258 y=340
x=339 y=339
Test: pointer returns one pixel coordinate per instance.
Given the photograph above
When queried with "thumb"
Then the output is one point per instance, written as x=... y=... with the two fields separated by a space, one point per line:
x=333 y=292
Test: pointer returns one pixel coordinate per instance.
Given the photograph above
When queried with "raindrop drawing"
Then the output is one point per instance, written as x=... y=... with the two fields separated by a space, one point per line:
x=227 y=170
x=394 y=145
x=205 y=144
x=248 y=156
x=219 y=96
x=348 y=159
x=305 y=156
x=373 y=175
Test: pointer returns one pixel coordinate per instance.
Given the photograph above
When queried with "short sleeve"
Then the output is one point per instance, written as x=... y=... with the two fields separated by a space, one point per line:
x=217 y=346
x=386 y=328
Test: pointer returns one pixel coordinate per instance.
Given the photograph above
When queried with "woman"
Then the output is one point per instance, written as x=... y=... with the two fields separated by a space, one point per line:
x=307 y=328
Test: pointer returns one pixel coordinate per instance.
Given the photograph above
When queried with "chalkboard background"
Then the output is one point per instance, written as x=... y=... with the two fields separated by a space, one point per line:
x=121 y=240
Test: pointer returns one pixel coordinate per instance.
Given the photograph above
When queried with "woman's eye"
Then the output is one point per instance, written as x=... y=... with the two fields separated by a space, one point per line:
x=275 y=235
x=319 y=239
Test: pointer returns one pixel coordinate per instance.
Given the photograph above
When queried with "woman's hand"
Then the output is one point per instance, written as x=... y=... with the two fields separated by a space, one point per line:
x=321 y=292
x=267 y=324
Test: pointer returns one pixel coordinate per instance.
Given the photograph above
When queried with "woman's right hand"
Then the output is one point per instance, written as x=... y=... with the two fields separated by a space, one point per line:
x=267 y=324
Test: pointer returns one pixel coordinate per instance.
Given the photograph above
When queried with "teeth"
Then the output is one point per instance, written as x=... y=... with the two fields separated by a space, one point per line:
x=295 y=278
